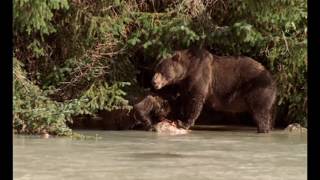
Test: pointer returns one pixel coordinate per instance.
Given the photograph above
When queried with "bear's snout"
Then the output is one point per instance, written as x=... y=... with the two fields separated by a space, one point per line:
x=159 y=81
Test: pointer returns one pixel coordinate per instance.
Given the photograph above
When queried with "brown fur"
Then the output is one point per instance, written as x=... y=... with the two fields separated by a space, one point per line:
x=225 y=83
x=150 y=110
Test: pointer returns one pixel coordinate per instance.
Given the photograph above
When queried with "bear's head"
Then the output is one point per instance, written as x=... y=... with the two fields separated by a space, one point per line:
x=162 y=108
x=169 y=71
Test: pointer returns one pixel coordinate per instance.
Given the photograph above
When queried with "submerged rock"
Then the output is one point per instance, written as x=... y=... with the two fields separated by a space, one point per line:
x=169 y=127
x=295 y=127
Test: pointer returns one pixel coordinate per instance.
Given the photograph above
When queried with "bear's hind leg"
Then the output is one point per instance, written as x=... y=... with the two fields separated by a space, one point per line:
x=263 y=121
x=261 y=101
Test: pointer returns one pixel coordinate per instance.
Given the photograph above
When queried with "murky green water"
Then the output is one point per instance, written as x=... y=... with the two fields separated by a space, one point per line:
x=145 y=155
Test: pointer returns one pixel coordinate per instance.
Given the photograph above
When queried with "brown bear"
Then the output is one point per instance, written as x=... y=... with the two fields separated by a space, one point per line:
x=155 y=107
x=224 y=83
x=150 y=111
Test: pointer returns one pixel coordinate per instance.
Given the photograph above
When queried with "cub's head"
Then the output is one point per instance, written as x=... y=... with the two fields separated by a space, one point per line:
x=169 y=71
x=162 y=108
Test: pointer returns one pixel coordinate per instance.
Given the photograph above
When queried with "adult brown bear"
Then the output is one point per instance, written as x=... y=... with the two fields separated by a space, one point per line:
x=226 y=83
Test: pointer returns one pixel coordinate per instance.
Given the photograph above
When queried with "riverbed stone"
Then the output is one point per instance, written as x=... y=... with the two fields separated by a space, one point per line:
x=295 y=128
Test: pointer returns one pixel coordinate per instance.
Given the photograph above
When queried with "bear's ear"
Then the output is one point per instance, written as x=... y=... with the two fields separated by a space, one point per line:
x=176 y=56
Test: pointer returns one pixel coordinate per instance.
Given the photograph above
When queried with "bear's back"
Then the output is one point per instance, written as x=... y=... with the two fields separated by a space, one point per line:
x=238 y=67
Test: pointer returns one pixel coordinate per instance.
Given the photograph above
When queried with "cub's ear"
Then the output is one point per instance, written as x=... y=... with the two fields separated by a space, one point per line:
x=176 y=56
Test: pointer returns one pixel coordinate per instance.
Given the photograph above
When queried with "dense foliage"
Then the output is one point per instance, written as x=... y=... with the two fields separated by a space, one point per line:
x=78 y=57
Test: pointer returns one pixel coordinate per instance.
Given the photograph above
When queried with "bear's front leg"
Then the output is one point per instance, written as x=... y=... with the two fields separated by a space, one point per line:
x=193 y=109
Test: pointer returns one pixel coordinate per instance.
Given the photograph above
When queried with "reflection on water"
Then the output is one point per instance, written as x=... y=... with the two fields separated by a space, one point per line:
x=145 y=155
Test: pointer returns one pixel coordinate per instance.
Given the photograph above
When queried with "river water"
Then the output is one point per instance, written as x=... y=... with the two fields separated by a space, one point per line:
x=121 y=155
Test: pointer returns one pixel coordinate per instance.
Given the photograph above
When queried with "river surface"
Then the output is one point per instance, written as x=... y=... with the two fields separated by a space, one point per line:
x=122 y=155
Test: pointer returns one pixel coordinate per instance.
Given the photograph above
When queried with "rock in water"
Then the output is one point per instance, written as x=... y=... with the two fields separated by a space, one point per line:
x=295 y=127
x=169 y=127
